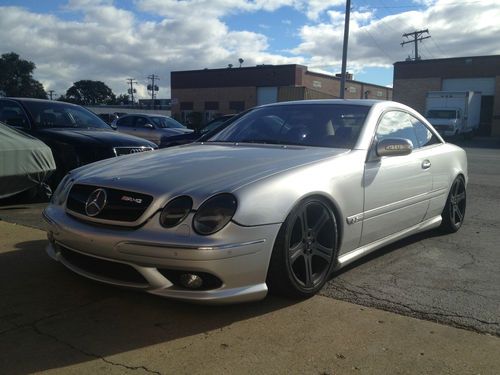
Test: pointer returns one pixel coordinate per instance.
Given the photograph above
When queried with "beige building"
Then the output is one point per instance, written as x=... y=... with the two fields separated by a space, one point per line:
x=232 y=90
x=413 y=79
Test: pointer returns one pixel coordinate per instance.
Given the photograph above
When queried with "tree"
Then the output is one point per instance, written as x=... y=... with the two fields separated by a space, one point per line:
x=87 y=92
x=16 y=77
x=121 y=99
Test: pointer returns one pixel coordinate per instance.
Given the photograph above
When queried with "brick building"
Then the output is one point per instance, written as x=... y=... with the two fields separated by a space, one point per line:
x=232 y=90
x=413 y=79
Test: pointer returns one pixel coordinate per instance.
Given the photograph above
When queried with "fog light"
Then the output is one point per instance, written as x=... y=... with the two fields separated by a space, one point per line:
x=188 y=280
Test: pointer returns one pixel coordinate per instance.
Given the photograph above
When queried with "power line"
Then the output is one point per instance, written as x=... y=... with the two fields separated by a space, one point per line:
x=153 y=88
x=131 y=90
x=417 y=37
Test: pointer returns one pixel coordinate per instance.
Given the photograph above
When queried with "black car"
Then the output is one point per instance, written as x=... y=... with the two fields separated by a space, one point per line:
x=210 y=127
x=75 y=135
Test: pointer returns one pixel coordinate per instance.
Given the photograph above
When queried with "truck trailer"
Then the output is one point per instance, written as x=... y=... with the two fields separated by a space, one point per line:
x=454 y=113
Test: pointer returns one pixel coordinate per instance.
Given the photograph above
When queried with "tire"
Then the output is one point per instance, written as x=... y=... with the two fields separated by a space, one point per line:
x=454 y=211
x=305 y=251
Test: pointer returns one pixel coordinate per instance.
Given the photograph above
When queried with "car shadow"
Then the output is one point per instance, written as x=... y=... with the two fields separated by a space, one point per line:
x=58 y=319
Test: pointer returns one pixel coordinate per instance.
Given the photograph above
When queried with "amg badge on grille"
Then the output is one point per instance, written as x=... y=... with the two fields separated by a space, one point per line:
x=126 y=198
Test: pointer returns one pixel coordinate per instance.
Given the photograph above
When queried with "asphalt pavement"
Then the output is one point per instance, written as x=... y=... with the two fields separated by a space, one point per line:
x=451 y=279
x=53 y=321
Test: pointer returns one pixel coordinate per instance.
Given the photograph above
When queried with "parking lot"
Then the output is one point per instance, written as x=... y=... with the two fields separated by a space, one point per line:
x=57 y=319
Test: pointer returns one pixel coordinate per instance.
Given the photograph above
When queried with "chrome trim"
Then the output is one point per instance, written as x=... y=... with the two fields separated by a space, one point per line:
x=374 y=212
x=194 y=247
x=115 y=223
x=143 y=149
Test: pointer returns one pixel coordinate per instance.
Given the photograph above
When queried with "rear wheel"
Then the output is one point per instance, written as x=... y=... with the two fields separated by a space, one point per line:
x=305 y=251
x=454 y=212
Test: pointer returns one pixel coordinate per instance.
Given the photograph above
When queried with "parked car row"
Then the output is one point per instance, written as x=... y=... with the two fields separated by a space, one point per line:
x=75 y=135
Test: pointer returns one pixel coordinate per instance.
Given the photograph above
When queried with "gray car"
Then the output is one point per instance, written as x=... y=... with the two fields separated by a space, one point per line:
x=277 y=201
x=154 y=128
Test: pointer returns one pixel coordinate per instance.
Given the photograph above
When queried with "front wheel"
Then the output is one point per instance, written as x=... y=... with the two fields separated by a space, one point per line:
x=454 y=212
x=305 y=251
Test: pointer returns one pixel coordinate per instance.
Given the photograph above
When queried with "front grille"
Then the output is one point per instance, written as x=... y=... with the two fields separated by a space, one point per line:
x=103 y=268
x=120 y=205
x=131 y=150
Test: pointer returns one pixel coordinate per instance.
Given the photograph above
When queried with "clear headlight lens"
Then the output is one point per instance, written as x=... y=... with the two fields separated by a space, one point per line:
x=214 y=214
x=62 y=190
x=176 y=211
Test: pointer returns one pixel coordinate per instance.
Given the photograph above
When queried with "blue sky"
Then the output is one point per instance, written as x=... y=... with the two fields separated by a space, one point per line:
x=113 y=40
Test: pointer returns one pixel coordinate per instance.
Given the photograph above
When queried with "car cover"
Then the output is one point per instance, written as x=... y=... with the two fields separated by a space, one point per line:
x=25 y=162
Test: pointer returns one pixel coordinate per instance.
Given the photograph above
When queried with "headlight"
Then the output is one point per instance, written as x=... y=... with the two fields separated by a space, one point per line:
x=214 y=214
x=175 y=211
x=62 y=190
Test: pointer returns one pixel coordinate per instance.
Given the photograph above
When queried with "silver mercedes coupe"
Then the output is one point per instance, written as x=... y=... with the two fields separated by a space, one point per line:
x=276 y=201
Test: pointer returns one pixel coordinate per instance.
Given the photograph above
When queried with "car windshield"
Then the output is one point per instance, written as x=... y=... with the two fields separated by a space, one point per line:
x=319 y=125
x=444 y=114
x=52 y=114
x=214 y=124
x=166 y=122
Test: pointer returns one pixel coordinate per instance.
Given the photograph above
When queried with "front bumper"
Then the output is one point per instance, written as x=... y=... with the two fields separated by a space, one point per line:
x=238 y=256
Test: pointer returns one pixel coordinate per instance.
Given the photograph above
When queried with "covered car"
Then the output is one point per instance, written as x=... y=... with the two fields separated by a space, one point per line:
x=25 y=162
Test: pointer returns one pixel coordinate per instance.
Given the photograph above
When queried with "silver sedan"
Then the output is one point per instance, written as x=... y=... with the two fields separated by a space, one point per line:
x=277 y=201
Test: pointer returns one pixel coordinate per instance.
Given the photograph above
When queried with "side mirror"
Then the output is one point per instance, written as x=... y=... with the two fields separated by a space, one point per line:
x=394 y=147
x=149 y=126
x=113 y=126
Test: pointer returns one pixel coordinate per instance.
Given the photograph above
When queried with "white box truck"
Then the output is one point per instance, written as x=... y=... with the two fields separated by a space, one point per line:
x=453 y=112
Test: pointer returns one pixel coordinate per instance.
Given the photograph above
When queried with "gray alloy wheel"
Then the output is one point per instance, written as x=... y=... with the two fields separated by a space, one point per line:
x=454 y=212
x=305 y=251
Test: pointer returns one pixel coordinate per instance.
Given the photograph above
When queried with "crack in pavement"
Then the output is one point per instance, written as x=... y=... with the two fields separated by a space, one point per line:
x=352 y=296
x=92 y=355
x=34 y=326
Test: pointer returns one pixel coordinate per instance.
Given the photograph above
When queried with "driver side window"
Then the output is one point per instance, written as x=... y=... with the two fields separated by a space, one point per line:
x=140 y=122
x=397 y=124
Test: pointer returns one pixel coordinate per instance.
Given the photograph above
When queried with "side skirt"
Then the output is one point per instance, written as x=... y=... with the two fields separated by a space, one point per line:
x=353 y=255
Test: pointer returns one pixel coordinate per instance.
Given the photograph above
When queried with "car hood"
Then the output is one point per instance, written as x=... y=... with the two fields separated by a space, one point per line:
x=88 y=137
x=197 y=169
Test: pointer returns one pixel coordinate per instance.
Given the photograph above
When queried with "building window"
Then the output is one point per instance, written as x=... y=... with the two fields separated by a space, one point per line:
x=186 y=106
x=237 y=106
x=211 y=106
x=379 y=93
x=352 y=90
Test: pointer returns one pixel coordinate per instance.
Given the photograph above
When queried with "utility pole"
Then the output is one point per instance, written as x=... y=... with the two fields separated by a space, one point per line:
x=152 y=87
x=344 y=49
x=417 y=37
x=51 y=93
x=131 y=90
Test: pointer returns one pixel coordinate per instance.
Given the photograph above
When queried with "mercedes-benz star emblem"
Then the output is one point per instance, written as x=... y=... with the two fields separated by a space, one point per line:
x=96 y=202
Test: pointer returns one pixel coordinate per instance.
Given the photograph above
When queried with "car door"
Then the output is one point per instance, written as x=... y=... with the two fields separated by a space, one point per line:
x=144 y=128
x=125 y=124
x=396 y=188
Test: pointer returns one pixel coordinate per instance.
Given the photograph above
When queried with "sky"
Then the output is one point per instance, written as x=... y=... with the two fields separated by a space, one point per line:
x=111 y=41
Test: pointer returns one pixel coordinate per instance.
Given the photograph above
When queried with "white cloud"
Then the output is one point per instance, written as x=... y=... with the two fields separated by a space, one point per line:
x=104 y=42
x=456 y=28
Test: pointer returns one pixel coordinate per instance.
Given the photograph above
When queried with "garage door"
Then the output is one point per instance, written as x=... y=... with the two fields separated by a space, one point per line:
x=485 y=85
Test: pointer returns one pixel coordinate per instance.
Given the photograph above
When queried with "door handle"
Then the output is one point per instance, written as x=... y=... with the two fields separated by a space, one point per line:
x=426 y=164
